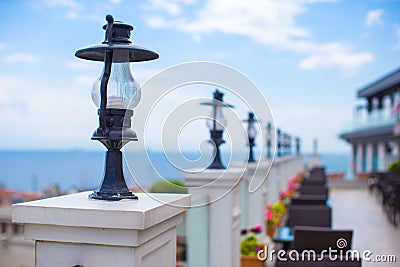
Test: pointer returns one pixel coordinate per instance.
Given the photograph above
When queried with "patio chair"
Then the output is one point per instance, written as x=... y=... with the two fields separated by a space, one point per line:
x=318 y=182
x=309 y=200
x=314 y=190
x=322 y=263
x=319 y=239
x=309 y=215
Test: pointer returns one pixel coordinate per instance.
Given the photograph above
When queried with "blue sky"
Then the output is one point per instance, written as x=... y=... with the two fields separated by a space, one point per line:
x=308 y=57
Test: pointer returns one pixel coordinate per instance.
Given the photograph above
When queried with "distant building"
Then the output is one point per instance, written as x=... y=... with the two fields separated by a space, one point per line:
x=374 y=133
x=7 y=198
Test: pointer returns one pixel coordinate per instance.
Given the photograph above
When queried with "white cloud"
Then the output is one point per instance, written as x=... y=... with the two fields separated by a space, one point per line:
x=268 y=22
x=36 y=108
x=21 y=58
x=72 y=15
x=335 y=55
x=115 y=1
x=85 y=80
x=8 y=84
x=374 y=17
x=171 y=7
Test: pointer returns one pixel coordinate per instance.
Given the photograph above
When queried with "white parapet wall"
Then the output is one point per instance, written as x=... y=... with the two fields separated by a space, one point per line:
x=213 y=223
x=282 y=170
x=73 y=230
x=223 y=201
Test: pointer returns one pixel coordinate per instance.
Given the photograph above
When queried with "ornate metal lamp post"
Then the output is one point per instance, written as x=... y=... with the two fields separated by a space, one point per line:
x=216 y=126
x=115 y=93
x=297 y=140
x=279 y=140
x=251 y=133
x=269 y=140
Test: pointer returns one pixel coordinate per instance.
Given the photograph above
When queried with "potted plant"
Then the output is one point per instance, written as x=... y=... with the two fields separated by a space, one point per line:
x=273 y=215
x=249 y=248
x=270 y=220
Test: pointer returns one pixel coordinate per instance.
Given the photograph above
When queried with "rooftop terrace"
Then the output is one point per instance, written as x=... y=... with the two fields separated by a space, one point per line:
x=353 y=208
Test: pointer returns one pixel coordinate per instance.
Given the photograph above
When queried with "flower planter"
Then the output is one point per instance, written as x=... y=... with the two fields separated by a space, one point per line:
x=271 y=230
x=250 y=261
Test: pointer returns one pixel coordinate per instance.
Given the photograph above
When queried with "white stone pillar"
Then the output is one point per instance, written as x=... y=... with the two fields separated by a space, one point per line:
x=381 y=156
x=369 y=155
x=352 y=165
x=396 y=149
x=221 y=191
x=254 y=182
x=359 y=163
x=73 y=230
x=253 y=193
x=273 y=181
x=298 y=164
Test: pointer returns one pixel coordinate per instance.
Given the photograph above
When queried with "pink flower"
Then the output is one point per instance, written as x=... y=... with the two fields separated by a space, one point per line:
x=283 y=195
x=257 y=249
x=269 y=215
x=258 y=228
x=292 y=186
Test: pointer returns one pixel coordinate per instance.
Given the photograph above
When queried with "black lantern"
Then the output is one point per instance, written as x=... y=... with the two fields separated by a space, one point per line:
x=269 y=140
x=285 y=144
x=115 y=93
x=289 y=140
x=251 y=134
x=297 y=140
x=216 y=126
x=279 y=140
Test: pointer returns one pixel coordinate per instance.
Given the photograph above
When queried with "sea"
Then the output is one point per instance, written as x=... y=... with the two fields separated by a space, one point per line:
x=38 y=170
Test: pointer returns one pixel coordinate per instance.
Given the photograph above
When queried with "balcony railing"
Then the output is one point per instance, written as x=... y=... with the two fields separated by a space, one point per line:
x=375 y=119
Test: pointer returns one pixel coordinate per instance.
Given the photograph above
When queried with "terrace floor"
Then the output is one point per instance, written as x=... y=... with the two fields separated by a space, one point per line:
x=355 y=208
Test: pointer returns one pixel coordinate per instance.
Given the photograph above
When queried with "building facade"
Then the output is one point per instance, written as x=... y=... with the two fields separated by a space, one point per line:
x=374 y=133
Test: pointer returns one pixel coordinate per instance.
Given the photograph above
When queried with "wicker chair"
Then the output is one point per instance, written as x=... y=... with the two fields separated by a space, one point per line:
x=321 y=238
x=309 y=200
x=309 y=215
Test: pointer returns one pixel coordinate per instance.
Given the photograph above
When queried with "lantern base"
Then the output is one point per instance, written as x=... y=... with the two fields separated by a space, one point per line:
x=113 y=187
x=114 y=134
x=116 y=197
x=251 y=153
x=216 y=138
x=116 y=127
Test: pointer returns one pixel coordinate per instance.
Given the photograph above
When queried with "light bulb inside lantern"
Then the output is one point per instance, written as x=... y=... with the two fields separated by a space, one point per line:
x=251 y=130
x=123 y=91
x=218 y=121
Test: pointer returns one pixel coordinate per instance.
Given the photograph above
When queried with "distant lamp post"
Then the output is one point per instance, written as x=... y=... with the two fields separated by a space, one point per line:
x=116 y=93
x=269 y=140
x=279 y=140
x=315 y=147
x=284 y=144
x=251 y=133
x=297 y=140
x=289 y=144
x=216 y=126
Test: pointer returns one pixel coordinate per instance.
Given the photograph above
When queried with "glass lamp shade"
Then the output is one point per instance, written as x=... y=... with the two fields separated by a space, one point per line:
x=218 y=121
x=251 y=130
x=123 y=91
